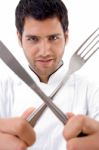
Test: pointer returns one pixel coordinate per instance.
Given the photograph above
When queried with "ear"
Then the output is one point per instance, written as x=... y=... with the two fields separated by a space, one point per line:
x=66 y=37
x=19 y=38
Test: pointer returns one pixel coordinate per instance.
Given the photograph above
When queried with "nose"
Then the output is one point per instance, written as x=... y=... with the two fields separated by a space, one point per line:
x=44 y=47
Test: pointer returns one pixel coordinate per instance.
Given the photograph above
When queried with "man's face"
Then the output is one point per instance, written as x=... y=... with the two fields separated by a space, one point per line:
x=43 y=43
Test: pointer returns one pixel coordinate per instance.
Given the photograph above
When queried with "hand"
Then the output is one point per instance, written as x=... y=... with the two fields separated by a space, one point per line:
x=78 y=124
x=16 y=133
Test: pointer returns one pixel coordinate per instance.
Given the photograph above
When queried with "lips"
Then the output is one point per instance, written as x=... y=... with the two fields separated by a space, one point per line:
x=45 y=61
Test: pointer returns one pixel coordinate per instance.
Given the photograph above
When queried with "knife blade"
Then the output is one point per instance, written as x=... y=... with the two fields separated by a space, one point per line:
x=18 y=69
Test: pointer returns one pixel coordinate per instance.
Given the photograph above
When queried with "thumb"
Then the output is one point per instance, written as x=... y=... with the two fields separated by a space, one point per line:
x=28 y=112
x=69 y=115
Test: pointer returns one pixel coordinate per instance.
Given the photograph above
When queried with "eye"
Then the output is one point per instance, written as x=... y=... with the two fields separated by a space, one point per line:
x=53 y=37
x=33 y=39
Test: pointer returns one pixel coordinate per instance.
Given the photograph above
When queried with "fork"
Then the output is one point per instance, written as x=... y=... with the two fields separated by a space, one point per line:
x=78 y=59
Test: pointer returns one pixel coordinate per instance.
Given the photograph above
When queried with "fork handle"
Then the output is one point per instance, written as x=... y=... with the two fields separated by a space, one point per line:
x=37 y=114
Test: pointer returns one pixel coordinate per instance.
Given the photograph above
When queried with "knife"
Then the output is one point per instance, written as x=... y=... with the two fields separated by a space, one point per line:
x=18 y=69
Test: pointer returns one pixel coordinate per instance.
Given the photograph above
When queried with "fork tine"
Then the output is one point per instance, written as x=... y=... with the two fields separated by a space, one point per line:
x=91 y=54
x=86 y=40
x=89 y=50
x=89 y=44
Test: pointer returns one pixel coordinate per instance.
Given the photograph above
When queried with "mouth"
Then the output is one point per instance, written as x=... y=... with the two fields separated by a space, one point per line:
x=45 y=61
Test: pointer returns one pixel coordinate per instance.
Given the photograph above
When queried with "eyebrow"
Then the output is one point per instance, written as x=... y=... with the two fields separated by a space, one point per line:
x=30 y=35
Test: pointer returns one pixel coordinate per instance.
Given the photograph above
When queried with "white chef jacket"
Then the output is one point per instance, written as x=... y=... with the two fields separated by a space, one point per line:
x=77 y=96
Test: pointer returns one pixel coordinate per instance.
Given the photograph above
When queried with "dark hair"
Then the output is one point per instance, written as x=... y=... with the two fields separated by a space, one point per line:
x=40 y=10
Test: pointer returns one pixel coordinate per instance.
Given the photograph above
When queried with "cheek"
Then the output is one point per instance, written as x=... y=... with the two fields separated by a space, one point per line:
x=28 y=50
x=61 y=46
x=31 y=56
x=28 y=54
x=60 y=51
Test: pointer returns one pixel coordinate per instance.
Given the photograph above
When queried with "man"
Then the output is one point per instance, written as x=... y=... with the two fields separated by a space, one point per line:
x=42 y=29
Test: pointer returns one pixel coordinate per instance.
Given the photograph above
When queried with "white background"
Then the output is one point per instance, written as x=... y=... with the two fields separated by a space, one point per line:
x=83 y=18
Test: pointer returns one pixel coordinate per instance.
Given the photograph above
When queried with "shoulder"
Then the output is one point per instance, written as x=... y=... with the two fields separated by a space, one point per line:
x=84 y=82
x=7 y=77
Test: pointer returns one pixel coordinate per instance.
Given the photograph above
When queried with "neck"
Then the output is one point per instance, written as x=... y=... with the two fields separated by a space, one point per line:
x=44 y=79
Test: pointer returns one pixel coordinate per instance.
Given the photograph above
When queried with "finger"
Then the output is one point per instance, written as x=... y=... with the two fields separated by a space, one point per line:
x=87 y=143
x=73 y=127
x=25 y=132
x=78 y=124
x=9 y=142
x=18 y=127
x=90 y=125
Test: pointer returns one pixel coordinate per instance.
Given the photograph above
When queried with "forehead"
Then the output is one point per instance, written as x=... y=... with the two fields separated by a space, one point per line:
x=48 y=26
